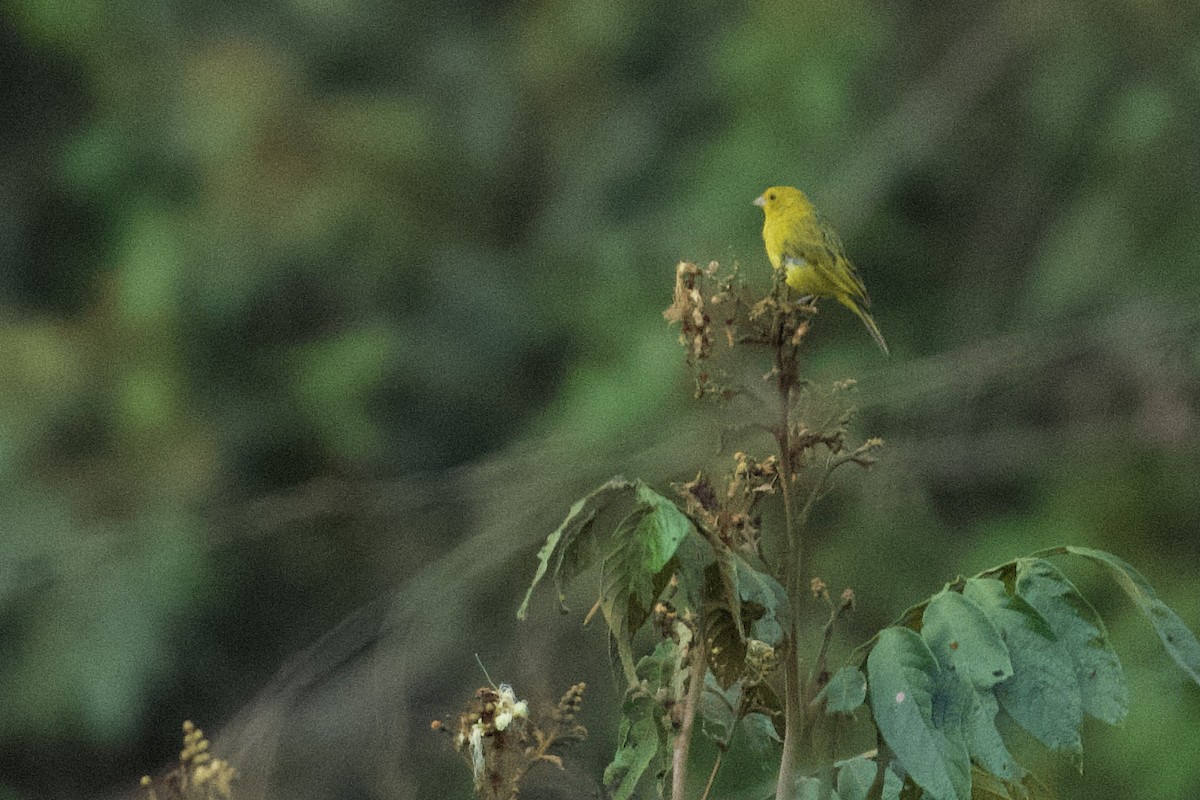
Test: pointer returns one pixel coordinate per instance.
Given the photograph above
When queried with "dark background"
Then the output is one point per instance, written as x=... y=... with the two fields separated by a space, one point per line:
x=315 y=318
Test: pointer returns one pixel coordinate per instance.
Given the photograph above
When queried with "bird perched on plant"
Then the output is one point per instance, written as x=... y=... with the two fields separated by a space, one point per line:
x=800 y=242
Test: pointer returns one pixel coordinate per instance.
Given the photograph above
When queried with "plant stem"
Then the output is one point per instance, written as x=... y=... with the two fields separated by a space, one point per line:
x=683 y=741
x=785 y=365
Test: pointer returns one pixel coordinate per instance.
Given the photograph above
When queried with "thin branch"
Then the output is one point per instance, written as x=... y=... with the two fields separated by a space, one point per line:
x=827 y=634
x=816 y=493
x=587 y=619
x=712 y=776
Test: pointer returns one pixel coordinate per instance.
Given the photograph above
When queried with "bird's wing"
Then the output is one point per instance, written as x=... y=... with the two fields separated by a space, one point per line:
x=823 y=256
x=802 y=252
x=846 y=277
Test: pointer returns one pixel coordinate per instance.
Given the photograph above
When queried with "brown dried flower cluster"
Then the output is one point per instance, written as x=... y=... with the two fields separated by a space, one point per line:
x=501 y=743
x=688 y=309
x=704 y=302
x=731 y=516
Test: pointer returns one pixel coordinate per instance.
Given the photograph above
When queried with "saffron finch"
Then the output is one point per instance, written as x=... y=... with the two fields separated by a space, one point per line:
x=799 y=241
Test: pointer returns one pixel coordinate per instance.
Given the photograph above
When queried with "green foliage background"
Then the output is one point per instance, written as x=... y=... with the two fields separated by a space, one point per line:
x=259 y=259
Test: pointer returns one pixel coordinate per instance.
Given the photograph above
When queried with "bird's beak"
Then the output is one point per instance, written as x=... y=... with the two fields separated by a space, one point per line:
x=760 y=202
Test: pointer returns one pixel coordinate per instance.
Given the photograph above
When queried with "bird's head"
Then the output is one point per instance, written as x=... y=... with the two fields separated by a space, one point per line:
x=778 y=198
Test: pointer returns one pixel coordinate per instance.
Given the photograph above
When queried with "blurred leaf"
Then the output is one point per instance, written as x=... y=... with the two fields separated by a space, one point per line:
x=61 y=22
x=93 y=158
x=758 y=587
x=629 y=383
x=809 y=788
x=334 y=378
x=147 y=401
x=96 y=606
x=152 y=267
x=1141 y=115
x=41 y=374
x=1083 y=251
x=380 y=131
x=985 y=786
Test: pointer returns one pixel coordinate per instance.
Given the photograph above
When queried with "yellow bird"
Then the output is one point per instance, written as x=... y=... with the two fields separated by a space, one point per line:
x=801 y=243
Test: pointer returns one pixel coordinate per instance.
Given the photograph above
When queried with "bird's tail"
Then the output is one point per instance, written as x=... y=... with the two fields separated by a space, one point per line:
x=868 y=320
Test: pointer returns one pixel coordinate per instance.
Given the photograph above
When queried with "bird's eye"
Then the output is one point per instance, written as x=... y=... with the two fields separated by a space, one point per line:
x=771 y=196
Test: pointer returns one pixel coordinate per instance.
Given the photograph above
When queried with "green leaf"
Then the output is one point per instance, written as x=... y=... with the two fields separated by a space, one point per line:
x=857 y=775
x=952 y=701
x=762 y=603
x=719 y=707
x=1042 y=695
x=760 y=588
x=641 y=740
x=964 y=640
x=634 y=571
x=726 y=651
x=692 y=557
x=664 y=669
x=639 y=603
x=985 y=786
x=845 y=692
x=809 y=788
x=644 y=558
x=893 y=784
x=568 y=546
x=1178 y=639
x=635 y=557
x=637 y=743
x=984 y=741
x=751 y=763
x=661 y=530
x=1078 y=626
x=989 y=787
x=763 y=788
x=854 y=777
x=966 y=643
x=759 y=732
x=730 y=593
x=919 y=714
